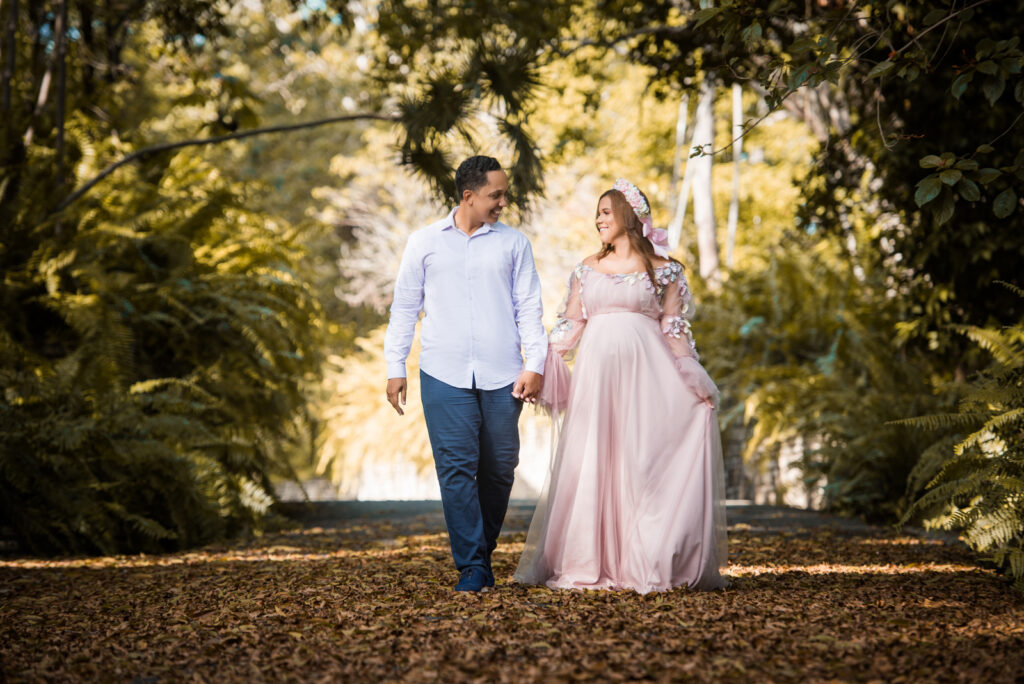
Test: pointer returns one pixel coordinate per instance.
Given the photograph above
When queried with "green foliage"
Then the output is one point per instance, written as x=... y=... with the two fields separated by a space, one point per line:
x=803 y=350
x=154 y=363
x=450 y=61
x=975 y=486
x=155 y=338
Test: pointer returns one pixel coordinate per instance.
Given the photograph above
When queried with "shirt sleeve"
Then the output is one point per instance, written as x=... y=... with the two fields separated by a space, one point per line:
x=405 y=309
x=529 y=310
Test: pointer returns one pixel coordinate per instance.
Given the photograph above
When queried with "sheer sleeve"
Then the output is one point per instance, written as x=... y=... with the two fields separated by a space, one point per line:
x=562 y=341
x=676 y=311
x=572 y=318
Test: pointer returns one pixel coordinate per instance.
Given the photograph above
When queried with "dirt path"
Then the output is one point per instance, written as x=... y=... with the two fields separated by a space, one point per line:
x=363 y=593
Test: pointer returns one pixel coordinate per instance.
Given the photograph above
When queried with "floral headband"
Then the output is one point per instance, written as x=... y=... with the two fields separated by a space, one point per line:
x=657 y=237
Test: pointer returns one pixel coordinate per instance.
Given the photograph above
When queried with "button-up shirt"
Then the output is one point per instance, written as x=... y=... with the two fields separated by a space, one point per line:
x=481 y=298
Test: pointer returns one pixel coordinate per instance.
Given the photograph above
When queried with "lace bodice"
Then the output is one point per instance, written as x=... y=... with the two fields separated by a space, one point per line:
x=592 y=292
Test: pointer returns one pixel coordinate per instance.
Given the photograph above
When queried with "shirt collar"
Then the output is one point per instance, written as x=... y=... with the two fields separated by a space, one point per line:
x=450 y=223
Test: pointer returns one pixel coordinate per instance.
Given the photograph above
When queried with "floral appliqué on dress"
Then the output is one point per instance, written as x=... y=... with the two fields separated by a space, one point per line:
x=675 y=326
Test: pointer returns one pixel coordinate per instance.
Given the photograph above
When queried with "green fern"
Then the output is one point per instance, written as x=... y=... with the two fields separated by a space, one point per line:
x=979 y=488
x=154 y=365
x=809 y=356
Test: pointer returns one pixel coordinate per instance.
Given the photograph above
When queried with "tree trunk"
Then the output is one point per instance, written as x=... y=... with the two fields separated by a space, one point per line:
x=678 y=159
x=703 y=206
x=87 y=48
x=10 y=54
x=61 y=48
x=737 y=152
x=41 y=100
x=675 y=228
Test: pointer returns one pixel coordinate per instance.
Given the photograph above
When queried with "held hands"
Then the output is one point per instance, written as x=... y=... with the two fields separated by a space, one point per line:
x=527 y=386
x=396 y=393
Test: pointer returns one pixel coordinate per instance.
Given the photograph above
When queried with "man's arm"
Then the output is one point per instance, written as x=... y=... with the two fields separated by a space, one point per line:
x=405 y=310
x=526 y=300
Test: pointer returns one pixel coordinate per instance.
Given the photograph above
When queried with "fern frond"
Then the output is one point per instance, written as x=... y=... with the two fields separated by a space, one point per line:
x=1006 y=345
x=939 y=421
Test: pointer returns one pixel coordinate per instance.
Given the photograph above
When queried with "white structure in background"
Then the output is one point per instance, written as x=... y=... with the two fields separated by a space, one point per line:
x=398 y=480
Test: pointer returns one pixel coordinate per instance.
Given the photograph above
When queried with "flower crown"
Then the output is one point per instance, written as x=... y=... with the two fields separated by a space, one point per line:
x=657 y=236
x=633 y=196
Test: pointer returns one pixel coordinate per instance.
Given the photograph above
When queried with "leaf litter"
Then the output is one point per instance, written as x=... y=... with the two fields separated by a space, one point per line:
x=372 y=600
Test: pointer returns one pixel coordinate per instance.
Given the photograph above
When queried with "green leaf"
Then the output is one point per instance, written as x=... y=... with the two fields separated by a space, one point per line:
x=881 y=69
x=966 y=165
x=930 y=161
x=705 y=15
x=1012 y=65
x=985 y=149
x=960 y=84
x=950 y=176
x=798 y=77
x=752 y=33
x=802 y=45
x=988 y=67
x=944 y=207
x=986 y=46
x=927 y=189
x=1018 y=92
x=968 y=190
x=934 y=16
x=987 y=175
x=993 y=87
x=1004 y=203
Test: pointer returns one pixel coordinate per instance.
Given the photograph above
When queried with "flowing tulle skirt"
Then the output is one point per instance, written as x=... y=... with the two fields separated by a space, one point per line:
x=634 y=498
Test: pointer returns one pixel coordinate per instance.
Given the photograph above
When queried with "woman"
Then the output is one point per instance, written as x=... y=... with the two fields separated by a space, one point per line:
x=634 y=498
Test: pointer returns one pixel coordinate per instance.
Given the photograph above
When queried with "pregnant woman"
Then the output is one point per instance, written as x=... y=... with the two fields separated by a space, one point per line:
x=635 y=492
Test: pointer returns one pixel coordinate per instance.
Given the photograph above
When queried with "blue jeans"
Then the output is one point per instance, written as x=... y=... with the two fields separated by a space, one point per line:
x=474 y=435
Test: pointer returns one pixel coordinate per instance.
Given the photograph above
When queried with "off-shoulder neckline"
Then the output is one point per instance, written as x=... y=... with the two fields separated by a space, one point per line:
x=656 y=268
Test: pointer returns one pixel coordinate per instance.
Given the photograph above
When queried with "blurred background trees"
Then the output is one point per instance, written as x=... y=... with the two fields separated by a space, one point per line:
x=205 y=322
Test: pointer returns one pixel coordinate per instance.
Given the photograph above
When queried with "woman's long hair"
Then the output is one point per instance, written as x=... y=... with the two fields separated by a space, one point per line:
x=625 y=216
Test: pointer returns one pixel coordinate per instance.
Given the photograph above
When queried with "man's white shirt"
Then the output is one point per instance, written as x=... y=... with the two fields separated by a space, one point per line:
x=482 y=303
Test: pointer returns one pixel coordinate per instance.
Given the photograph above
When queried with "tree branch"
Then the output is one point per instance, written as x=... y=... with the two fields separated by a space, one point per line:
x=163 y=147
x=11 y=48
x=1013 y=125
x=612 y=42
x=939 y=23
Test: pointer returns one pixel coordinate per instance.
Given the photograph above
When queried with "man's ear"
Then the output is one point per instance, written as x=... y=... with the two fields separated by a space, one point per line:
x=466 y=194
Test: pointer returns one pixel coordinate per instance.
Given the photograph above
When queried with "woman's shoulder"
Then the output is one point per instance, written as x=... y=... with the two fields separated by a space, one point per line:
x=588 y=263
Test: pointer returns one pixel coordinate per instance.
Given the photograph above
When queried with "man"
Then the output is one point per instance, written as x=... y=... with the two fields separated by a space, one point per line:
x=476 y=280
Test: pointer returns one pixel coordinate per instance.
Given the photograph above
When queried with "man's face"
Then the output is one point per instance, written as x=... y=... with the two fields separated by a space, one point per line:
x=488 y=201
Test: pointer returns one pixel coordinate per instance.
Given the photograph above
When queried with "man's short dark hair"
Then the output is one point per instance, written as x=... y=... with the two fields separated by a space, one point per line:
x=472 y=173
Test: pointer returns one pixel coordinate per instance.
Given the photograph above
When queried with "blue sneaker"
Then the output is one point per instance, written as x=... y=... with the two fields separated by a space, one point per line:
x=474 y=579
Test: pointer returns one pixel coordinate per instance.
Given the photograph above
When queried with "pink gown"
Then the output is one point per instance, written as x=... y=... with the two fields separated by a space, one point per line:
x=635 y=490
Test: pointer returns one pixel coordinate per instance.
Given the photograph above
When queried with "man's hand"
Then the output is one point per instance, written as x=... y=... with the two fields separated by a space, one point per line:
x=396 y=392
x=527 y=386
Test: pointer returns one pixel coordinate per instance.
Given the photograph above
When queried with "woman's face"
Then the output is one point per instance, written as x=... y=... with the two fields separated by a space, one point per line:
x=608 y=225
